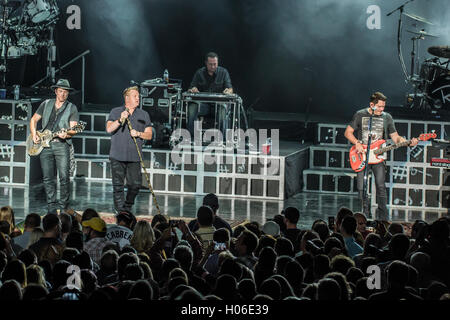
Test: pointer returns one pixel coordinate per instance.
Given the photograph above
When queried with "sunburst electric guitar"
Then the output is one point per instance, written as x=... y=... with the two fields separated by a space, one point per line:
x=377 y=149
x=34 y=149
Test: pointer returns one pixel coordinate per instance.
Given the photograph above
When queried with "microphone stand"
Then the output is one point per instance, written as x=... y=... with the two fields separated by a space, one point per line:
x=399 y=41
x=365 y=195
x=143 y=166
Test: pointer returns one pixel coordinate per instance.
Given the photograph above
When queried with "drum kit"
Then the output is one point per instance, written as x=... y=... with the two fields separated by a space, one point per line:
x=26 y=26
x=430 y=78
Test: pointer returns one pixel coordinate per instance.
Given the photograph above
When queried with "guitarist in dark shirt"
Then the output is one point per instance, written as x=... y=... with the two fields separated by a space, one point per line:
x=56 y=114
x=382 y=126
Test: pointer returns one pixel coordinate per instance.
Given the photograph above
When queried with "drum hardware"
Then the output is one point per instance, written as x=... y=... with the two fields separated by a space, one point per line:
x=431 y=78
x=27 y=28
x=422 y=33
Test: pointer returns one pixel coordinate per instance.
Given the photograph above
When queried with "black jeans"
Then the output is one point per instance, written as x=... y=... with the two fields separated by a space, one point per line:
x=132 y=172
x=379 y=172
x=54 y=159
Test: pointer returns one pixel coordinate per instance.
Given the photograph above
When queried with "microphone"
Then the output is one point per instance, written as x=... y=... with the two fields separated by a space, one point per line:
x=374 y=108
x=122 y=121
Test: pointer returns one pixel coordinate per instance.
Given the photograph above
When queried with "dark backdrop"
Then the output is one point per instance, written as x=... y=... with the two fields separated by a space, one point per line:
x=278 y=52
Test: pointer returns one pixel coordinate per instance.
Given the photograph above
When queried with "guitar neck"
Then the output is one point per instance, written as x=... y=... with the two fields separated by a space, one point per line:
x=55 y=134
x=392 y=147
x=76 y=129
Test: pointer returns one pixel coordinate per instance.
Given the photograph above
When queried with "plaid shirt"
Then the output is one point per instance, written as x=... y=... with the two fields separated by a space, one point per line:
x=94 y=247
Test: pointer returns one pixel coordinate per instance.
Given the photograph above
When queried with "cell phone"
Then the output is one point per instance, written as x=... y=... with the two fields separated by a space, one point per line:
x=330 y=222
x=219 y=245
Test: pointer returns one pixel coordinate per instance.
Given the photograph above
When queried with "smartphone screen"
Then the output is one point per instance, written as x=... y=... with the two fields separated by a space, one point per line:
x=219 y=246
x=330 y=222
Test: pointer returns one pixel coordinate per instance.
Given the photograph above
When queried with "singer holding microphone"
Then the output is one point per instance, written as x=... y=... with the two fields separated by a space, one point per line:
x=123 y=155
x=382 y=127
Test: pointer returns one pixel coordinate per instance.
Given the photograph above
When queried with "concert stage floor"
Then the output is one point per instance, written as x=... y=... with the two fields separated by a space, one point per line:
x=98 y=195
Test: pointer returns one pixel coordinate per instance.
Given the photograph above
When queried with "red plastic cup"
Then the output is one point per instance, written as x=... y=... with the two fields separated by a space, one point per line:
x=266 y=148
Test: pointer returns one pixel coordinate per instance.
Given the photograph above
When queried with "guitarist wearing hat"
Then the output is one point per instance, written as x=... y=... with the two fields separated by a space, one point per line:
x=56 y=114
x=382 y=126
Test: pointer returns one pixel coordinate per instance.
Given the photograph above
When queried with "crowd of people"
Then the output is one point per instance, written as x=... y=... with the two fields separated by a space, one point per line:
x=72 y=256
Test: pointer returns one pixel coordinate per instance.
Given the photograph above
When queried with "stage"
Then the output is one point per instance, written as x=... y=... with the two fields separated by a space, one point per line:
x=98 y=195
x=315 y=177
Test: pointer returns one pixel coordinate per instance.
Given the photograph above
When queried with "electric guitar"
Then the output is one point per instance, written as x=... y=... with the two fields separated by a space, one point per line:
x=377 y=149
x=34 y=149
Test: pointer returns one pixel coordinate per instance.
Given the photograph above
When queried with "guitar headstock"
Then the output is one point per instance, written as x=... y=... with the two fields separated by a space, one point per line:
x=79 y=127
x=427 y=136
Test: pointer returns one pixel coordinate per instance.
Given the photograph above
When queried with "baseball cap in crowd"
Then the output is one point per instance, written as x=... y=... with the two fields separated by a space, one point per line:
x=271 y=228
x=95 y=223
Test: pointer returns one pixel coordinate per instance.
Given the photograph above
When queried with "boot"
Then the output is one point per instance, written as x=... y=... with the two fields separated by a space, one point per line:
x=382 y=211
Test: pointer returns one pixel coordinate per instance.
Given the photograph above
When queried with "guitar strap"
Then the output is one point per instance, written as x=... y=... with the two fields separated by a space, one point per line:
x=60 y=114
x=73 y=163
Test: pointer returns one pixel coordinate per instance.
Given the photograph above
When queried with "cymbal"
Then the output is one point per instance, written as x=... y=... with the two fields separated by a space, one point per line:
x=440 y=51
x=422 y=33
x=417 y=18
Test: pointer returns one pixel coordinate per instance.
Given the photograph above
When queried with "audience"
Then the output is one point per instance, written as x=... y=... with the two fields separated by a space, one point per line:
x=274 y=261
x=32 y=220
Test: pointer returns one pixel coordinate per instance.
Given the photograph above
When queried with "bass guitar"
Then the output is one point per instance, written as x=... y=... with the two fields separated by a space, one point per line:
x=34 y=149
x=377 y=149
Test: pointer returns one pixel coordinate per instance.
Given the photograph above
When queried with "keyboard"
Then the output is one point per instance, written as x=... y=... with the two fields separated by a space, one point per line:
x=210 y=97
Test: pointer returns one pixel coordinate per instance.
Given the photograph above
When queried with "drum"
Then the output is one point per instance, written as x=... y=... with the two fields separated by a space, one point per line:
x=439 y=92
x=42 y=10
x=429 y=72
x=24 y=46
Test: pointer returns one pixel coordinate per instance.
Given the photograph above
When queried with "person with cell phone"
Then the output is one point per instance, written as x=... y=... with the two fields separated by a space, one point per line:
x=220 y=243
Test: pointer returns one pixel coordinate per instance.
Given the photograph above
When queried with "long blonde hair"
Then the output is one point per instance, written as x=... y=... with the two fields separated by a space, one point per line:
x=143 y=236
x=35 y=274
x=7 y=214
x=35 y=235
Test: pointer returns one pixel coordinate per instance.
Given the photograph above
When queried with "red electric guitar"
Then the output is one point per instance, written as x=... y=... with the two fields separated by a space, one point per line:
x=358 y=160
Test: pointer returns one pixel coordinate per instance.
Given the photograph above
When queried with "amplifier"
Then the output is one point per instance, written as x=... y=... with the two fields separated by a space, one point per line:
x=440 y=162
x=159 y=99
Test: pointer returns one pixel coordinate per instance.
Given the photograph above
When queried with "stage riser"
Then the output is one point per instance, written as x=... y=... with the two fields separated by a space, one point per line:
x=416 y=186
x=233 y=176
x=333 y=134
x=340 y=182
x=325 y=157
x=411 y=182
x=14 y=128
x=95 y=122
